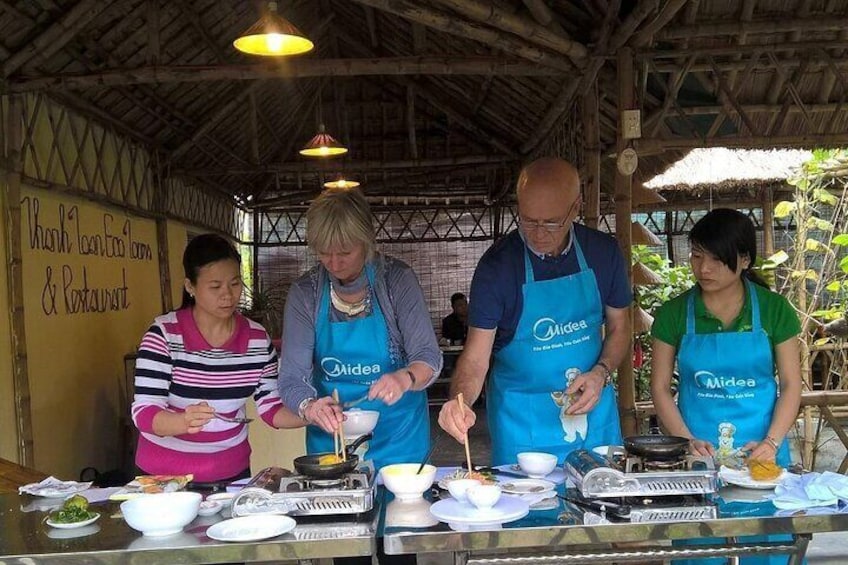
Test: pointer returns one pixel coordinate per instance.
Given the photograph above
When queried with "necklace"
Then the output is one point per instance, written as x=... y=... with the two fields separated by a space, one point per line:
x=347 y=308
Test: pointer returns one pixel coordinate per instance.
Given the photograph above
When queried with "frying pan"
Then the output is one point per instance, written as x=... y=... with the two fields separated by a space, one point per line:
x=309 y=465
x=657 y=447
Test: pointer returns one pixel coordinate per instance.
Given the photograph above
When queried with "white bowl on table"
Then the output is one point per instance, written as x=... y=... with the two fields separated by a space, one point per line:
x=458 y=488
x=484 y=497
x=161 y=514
x=359 y=422
x=402 y=481
x=537 y=464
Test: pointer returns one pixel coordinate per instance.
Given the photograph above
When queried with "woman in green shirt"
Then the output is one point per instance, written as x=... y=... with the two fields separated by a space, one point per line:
x=727 y=334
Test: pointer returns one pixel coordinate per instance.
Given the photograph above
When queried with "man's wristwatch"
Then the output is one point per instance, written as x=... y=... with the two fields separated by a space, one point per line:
x=607 y=372
x=301 y=409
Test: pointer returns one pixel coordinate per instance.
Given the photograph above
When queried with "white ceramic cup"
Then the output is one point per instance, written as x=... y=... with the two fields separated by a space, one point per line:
x=484 y=497
x=458 y=488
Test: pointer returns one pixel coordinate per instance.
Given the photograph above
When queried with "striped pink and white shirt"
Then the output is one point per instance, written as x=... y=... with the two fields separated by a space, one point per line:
x=176 y=367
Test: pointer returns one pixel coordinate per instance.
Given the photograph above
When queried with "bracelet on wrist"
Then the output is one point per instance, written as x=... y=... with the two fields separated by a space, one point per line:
x=607 y=371
x=772 y=442
x=301 y=409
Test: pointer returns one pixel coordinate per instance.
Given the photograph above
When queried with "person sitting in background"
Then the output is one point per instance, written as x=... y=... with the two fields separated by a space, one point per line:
x=455 y=324
x=199 y=362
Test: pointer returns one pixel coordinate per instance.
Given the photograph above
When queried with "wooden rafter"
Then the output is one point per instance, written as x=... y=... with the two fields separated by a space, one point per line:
x=190 y=14
x=764 y=25
x=449 y=24
x=484 y=12
x=396 y=66
x=57 y=35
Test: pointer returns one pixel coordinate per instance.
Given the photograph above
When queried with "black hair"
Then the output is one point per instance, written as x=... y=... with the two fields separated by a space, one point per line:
x=201 y=251
x=727 y=234
x=456 y=296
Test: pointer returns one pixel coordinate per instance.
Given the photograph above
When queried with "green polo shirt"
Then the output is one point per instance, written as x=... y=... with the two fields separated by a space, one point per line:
x=777 y=316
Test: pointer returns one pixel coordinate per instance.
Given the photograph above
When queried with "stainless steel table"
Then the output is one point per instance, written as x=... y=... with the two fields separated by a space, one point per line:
x=568 y=534
x=24 y=539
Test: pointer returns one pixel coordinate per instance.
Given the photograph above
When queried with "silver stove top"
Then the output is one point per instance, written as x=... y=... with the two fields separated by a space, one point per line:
x=596 y=476
x=300 y=495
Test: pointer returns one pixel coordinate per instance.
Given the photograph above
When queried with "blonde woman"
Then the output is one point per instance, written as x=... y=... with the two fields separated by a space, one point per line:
x=358 y=323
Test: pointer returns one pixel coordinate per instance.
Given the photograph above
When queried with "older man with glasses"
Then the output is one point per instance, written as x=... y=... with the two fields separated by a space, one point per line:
x=549 y=307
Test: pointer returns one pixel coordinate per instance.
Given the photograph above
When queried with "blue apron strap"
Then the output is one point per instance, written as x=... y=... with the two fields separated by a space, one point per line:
x=690 y=313
x=528 y=267
x=756 y=325
x=581 y=260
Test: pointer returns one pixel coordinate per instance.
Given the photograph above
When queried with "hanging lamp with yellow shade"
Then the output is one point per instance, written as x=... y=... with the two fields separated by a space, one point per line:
x=341 y=182
x=273 y=36
x=323 y=145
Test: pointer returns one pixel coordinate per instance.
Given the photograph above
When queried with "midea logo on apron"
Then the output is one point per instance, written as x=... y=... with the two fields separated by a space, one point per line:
x=707 y=379
x=333 y=367
x=545 y=329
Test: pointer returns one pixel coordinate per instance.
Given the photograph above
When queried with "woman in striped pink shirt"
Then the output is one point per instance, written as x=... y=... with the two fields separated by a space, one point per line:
x=203 y=360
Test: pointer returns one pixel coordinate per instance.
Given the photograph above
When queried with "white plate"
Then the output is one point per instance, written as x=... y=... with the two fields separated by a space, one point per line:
x=557 y=476
x=527 y=486
x=58 y=490
x=71 y=525
x=742 y=478
x=251 y=528
x=506 y=510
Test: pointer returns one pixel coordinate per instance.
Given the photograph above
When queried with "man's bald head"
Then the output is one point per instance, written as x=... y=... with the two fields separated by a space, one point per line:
x=548 y=202
x=549 y=178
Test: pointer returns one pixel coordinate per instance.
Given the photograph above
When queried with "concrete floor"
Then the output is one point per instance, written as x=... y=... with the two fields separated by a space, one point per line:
x=825 y=549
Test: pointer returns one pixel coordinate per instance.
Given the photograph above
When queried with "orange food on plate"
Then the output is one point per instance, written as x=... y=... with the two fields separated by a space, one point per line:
x=763 y=470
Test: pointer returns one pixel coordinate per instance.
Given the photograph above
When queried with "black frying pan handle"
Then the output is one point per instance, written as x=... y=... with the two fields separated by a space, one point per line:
x=357 y=442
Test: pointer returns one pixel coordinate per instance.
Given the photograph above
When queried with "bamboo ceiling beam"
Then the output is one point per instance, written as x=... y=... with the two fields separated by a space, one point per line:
x=666 y=15
x=437 y=101
x=763 y=25
x=730 y=50
x=210 y=122
x=450 y=24
x=484 y=12
x=565 y=100
x=153 y=36
x=190 y=14
x=57 y=35
x=756 y=109
x=653 y=146
x=75 y=101
x=303 y=68
x=368 y=165
x=540 y=11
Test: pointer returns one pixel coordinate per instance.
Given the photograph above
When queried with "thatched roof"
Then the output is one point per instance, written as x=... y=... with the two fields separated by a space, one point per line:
x=720 y=169
x=433 y=97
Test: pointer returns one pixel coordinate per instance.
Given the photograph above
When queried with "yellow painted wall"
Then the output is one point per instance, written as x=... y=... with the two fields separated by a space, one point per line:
x=8 y=434
x=91 y=289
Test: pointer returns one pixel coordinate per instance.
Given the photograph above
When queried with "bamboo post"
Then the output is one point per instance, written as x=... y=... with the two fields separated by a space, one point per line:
x=623 y=215
x=592 y=157
x=768 y=222
x=11 y=202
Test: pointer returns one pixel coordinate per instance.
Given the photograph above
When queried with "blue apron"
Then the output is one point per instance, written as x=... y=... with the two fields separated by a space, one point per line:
x=727 y=396
x=349 y=357
x=558 y=337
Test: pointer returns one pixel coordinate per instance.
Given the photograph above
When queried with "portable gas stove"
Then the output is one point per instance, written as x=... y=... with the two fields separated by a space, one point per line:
x=300 y=495
x=598 y=476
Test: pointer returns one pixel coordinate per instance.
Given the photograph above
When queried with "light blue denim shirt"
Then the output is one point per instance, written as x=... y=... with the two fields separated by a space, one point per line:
x=411 y=334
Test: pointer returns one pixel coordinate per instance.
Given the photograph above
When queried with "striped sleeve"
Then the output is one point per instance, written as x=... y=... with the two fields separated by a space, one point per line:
x=267 y=396
x=153 y=374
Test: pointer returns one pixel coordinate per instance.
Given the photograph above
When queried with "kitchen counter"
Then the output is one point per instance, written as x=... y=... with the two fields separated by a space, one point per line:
x=579 y=536
x=24 y=539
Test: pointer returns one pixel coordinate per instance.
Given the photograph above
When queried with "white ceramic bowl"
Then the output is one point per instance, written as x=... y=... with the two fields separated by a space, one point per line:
x=359 y=422
x=458 y=488
x=484 y=497
x=161 y=514
x=402 y=481
x=536 y=464
x=225 y=498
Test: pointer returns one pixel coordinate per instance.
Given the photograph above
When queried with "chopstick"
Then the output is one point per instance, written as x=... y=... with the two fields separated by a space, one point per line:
x=467 y=449
x=341 y=452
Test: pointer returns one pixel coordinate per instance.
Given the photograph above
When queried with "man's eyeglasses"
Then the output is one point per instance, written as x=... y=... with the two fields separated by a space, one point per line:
x=533 y=225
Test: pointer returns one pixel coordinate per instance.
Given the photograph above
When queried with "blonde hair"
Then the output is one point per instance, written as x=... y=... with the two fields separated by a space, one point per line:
x=340 y=217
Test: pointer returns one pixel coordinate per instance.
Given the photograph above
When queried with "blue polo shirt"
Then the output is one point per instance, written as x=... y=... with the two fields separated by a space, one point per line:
x=496 y=300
